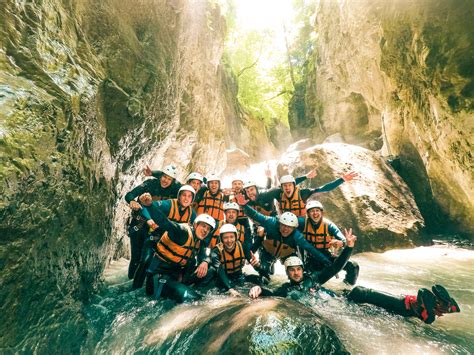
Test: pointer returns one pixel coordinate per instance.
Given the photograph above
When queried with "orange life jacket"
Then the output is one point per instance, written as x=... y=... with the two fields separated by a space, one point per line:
x=177 y=215
x=319 y=238
x=294 y=205
x=278 y=249
x=232 y=261
x=212 y=205
x=172 y=253
x=216 y=237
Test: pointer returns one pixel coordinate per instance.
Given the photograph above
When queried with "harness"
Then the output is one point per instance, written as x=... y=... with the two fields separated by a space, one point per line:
x=295 y=204
x=320 y=237
x=175 y=254
x=234 y=261
x=213 y=205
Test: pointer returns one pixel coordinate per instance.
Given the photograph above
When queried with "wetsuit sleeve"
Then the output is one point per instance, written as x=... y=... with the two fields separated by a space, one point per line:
x=270 y=195
x=336 y=233
x=144 y=212
x=257 y=217
x=281 y=291
x=247 y=238
x=257 y=244
x=215 y=259
x=301 y=223
x=331 y=270
x=193 y=216
x=204 y=253
x=266 y=292
x=304 y=244
x=137 y=191
x=223 y=277
x=300 y=179
x=306 y=193
x=269 y=183
x=176 y=232
x=200 y=194
x=156 y=173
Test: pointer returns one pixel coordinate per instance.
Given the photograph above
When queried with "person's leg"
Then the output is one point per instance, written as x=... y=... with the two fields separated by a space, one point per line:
x=137 y=238
x=267 y=264
x=146 y=258
x=352 y=272
x=179 y=292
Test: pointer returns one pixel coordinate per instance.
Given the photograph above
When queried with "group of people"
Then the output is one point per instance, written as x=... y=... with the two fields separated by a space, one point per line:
x=188 y=237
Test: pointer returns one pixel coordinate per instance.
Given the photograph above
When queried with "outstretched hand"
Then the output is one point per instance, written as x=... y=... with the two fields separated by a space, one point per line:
x=147 y=171
x=268 y=172
x=350 y=176
x=350 y=238
x=241 y=200
x=311 y=174
x=253 y=260
x=255 y=291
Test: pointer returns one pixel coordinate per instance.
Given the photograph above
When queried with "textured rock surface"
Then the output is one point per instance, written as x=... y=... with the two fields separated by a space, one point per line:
x=378 y=206
x=89 y=92
x=410 y=62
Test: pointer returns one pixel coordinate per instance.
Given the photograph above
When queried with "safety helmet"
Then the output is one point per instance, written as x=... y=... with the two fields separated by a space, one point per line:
x=289 y=219
x=287 y=178
x=206 y=219
x=293 y=261
x=213 y=177
x=231 y=206
x=186 y=188
x=238 y=178
x=171 y=171
x=228 y=228
x=314 y=204
x=195 y=176
x=250 y=183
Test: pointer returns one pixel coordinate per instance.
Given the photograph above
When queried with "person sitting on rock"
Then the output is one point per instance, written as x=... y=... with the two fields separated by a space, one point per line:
x=228 y=258
x=281 y=240
x=426 y=305
x=211 y=198
x=263 y=201
x=324 y=235
x=291 y=198
x=180 y=249
x=231 y=212
x=162 y=188
x=178 y=210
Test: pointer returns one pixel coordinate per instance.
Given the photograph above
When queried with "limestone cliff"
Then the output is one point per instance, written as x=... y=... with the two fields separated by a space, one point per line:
x=89 y=92
x=399 y=73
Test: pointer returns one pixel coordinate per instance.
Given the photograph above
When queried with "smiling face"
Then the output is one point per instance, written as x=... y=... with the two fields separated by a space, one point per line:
x=285 y=230
x=195 y=184
x=185 y=198
x=251 y=193
x=295 y=273
x=201 y=230
x=288 y=188
x=165 y=181
x=231 y=216
x=228 y=239
x=213 y=186
x=315 y=214
x=237 y=186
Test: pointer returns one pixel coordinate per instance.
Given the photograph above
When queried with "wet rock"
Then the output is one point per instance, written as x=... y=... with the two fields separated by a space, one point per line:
x=378 y=206
x=243 y=326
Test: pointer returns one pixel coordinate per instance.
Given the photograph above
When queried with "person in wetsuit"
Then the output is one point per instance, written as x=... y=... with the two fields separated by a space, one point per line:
x=324 y=234
x=164 y=187
x=426 y=305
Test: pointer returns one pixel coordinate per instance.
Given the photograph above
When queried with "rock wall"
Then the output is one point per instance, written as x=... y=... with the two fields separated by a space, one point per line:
x=89 y=92
x=399 y=74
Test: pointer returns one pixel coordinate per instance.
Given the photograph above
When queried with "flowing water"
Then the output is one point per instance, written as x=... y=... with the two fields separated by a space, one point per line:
x=125 y=321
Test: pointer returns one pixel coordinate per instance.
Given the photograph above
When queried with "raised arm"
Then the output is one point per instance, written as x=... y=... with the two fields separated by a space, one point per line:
x=315 y=253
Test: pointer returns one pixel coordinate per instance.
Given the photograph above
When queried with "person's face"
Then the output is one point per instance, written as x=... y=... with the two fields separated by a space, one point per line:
x=195 y=184
x=285 y=230
x=231 y=216
x=295 y=273
x=202 y=230
x=288 y=188
x=185 y=198
x=213 y=186
x=315 y=214
x=237 y=186
x=228 y=239
x=165 y=181
x=145 y=199
x=251 y=193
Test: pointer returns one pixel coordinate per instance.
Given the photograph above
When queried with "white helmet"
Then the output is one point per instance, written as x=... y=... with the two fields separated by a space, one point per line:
x=287 y=178
x=289 y=219
x=293 y=261
x=206 y=219
x=250 y=183
x=186 y=188
x=237 y=178
x=195 y=176
x=231 y=206
x=213 y=177
x=314 y=204
x=171 y=171
x=228 y=228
